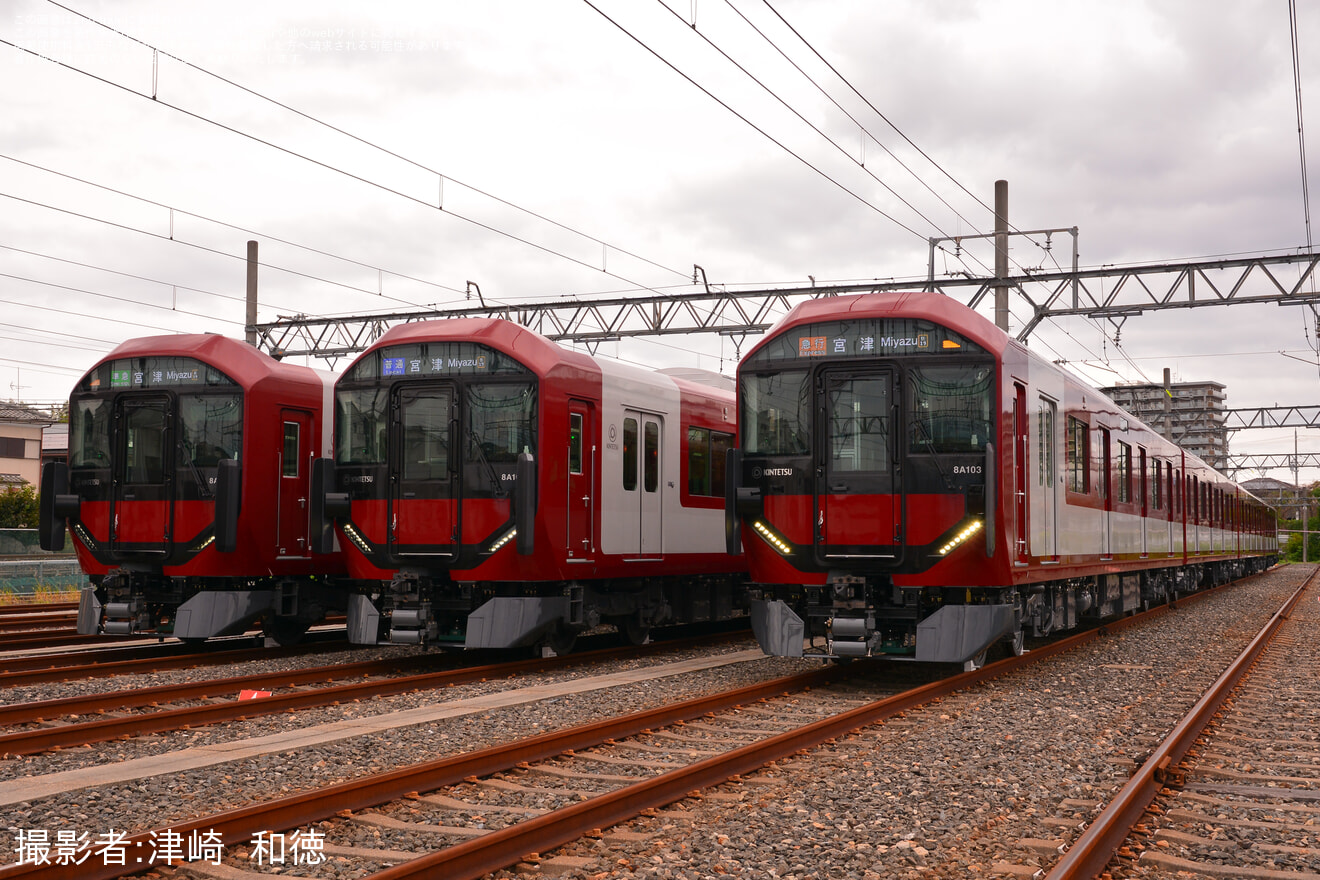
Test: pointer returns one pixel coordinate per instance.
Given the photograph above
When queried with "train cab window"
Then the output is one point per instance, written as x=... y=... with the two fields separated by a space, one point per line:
x=290 y=460
x=1079 y=454
x=630 y=455
x=949 y=408
x=361 y=426
x=575 y=443
x=859 y=424
x=651 y=456
x=89 y=434
x=210 y=429
x=425 y=421
x=776 y=413
x=144 y=444
x=502 y=420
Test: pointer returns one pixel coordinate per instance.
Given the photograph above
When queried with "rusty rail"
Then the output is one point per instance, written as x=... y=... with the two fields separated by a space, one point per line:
x=1092 y=851
x=29 y=742
x=506 y=847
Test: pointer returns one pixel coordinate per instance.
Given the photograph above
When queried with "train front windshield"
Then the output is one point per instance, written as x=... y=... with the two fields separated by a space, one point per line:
x=949 y=407
x=150 y=423
x=428 y=427
x=859 y=373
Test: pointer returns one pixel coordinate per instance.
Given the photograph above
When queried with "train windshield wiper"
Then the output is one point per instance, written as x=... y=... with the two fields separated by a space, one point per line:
x=500 y=491
x=920 y=424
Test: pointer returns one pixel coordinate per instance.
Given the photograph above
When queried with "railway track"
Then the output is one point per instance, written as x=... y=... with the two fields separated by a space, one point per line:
x=642 y=787
x=82 y=720
x=1234 y=790
x=622 y=777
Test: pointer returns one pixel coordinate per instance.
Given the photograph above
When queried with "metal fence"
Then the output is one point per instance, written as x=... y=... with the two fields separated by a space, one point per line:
x=26 y=569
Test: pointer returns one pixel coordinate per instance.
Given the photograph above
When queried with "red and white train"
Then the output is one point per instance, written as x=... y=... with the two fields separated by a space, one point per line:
x=491 y=489
x=186 y=491
x=910 y=480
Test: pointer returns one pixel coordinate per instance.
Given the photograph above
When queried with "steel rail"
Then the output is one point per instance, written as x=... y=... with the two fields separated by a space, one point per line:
x=29 y=670
x=29 y=742
x=300 y=810
x=500 y=849
x=1092 y=851
x=55 y=620
x=36 y=607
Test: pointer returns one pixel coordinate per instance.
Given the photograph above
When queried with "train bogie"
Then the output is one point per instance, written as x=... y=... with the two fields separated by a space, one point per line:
x=910 y=480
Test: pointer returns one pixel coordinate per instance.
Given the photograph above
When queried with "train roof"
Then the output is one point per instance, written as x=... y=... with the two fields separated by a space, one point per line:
x=238 y=360
x=531 y=349
x=931 y=306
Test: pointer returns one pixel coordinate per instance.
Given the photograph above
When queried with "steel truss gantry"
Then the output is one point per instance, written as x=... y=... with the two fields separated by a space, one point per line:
x=1111 y=292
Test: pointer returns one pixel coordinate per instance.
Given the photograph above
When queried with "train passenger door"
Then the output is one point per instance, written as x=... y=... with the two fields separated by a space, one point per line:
x=1021 y=445
x=642 y=459
x=859 y=507
x=295 y=467
x=581 y=501
x=1046 y=524
x=423 y=500
x=142 y=496
x=1106 y=491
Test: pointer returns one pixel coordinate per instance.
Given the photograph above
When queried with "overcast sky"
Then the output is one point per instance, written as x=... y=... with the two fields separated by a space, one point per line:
x=139 y=151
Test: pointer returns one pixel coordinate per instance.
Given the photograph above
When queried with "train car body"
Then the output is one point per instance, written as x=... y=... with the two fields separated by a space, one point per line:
x=910 y=480
x=187 y=487
x=492 y=489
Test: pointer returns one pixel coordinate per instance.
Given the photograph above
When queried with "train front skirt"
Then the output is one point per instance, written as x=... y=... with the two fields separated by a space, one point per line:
x=953 y=634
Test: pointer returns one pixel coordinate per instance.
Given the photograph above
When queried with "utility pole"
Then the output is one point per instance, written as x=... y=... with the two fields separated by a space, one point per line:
x=1001 y=254
x=251 y=334
x=1168 y=405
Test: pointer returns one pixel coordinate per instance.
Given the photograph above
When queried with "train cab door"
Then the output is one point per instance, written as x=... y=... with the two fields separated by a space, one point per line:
x=295 y=467
x=581 y=500
x=424 y=498
x=142 y=496
x=642 y=523
x=859 y=502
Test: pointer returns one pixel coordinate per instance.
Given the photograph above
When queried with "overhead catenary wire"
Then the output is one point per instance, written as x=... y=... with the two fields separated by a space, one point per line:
x=801 y=117
x=758 y=129
x=157 y=99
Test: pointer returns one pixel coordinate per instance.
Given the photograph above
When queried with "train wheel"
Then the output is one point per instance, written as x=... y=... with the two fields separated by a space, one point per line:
x=561 y=641
x=634 y=632
x=976 y=662
x=1016 y=643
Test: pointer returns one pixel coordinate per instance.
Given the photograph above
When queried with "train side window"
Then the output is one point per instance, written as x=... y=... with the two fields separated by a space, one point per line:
x=575 y=443
x=629 y=455
x=1079 y=454
x=651 y=456
x=290 y=459
x=1158 y=501
x=705 y=461
x=698 y=461
x=720 y=444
